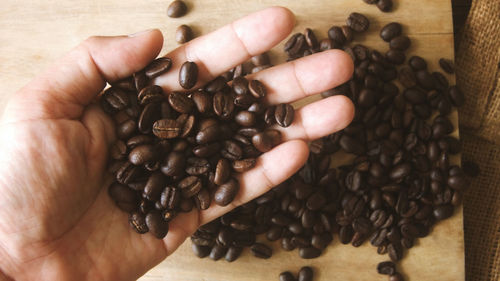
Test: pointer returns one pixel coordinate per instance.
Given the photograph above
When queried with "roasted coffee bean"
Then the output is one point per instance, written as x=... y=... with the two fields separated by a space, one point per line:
x=327 y=44
x=226 y=192
x=188 y=75
x=283 y=114
x=233 y=253
x=190 y=186
x=286 y=276
x=401 y=43
x=243 y=165
x=176 y=9
x=231 y=150
x=126 y=129
x=140 y=80
x=443 y=212
x=157 y=226
x=395 y=251
x=223 y=105
x=447 y=65
x=222 y=171
x=384 y=5
x=116 y=98
x=118 y=150
x=142 y=155
x=321 y=241
x=217 y=252
x=138 y=222
x=386 y=268
x=202 y=101
x=261 y=59
x=127 y=173
x=311 y=39
x=183 y=34
x=257 y=89
x=305 y=274
x=197 y=166
x=174 y=164
x=157 y=67
x=202 y=199
x=441 y=83
x=170 y=197
x=358 y=22
x=261 y=251
x=180 y=102
x=265 y=141
x=395 y=56
x=150 y=113
x=245 y=118
x=154 y=186
x=200 y=251
x=425 y=80
x=415 y=96
x=166 y=128
x=456 y=96
x=309 y=253
x=149 y=94
x=240 y=85
x=417 y=63
x=351 y=145
x=335 y=33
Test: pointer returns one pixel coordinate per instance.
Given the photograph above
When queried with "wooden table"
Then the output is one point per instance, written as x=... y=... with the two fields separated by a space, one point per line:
x=36 y=33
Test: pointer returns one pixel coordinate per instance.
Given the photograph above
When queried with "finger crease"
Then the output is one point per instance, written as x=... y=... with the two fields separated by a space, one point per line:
x=297 y=80
x=242 y=43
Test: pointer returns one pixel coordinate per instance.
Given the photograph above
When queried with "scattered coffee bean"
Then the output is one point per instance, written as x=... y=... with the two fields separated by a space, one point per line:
x=286 y=276
x=305 y=274
x=183 y=34
x=358 y=22
x=390 y=31
x=261 y=251
x=188 y=75
x=447 y=65
x=176 y=9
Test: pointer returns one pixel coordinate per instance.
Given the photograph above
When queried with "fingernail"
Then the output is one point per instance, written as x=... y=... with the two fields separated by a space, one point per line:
x=140 y=33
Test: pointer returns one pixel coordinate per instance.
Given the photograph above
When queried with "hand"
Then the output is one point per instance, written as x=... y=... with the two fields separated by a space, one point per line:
x=57 y=221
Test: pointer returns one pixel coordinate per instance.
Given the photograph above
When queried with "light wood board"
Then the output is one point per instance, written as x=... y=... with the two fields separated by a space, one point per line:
x=35 y=33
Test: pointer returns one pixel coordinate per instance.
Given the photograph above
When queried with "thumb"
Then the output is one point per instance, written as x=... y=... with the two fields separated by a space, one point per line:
x=65 y=88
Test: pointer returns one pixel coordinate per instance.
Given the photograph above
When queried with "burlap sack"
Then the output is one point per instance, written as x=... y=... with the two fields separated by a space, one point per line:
x=478 y=67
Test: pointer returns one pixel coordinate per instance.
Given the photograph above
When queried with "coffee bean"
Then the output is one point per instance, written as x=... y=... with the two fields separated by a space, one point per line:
x=170 y=197
x=256 y=88
x=443 y=212
x=197 y=166
x=309 y=253
x=358 y=22
x=395 y=56
x=176 y=9
x=447 y=65
x=384 y=5
x=157 y=226
x=311 y=39
x=118 y=150
x=335 y=33
x=138 y=222
x=180 y=102
x=286 y=276
x=456 y=96
x=157 y=67
x=351 y=145
x=188 y=75
x=166 y=128
x=231 y=150
x=261 y=59
x=222 y=171
x=265 y=141
x=200 y=251
x=395 y=251
x=226 y=192
x=218 y=251
x=142 y=155
x=174 y=164
x=261 y=251
x=149 y=94
x=149 y=115
x=183 y=34
x=190 y=186
x=223 y=105
x=415 y=96
x=202 y=199
x=305 y=274
x=233 y=253
x=283 y=114
x=116 y=98
x=245 y=118
x=386 y=268
x=400 y=43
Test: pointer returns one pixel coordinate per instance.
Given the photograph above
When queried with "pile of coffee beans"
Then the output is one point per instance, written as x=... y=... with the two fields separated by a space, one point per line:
x=183 y=149
x=400 y=181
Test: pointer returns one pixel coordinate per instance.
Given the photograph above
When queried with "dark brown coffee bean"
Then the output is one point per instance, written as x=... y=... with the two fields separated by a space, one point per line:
x=157 y=226
x=265 y=141
x=142 y=155
x=202 y=199
x=400 y=43
x=245 y=118
x=174 y=164
x=166 y=128
x=208 y=134
x=240 y=85
x=138 y=222
x=309 y=253
x=190 y=186
x=456 y=96
x=286 y=276
x=417 y=63
x=358 y=22
x=390 y=31
x=321 y=241
x=197 y=166
x=176 y=9
x=335 y=33
x=183 y=34
x=443 y=212
x=415 y=96
x=126 y=84
x=124 y=197
x=154 y=186
x=311 y=39
x=226 y=192
x=223 y=105
x=222 y=171
x=395 y=251
x=157 y=67
x=291 y=42
x=283 y=114
x=180 y=102
x=118 y=150
x=395 y=56
x=218 y=251
x=202 y=101
x=261 y=251
x=188 y=75
x=233 y=253
x=127 y=173
x=150 y=113
x=447 y=65
x=200 y=251
x=257 y=89
x=327 y=44
x=425 y=79
x=384 y=5
x=396 y=277
x=351 y=145
x=386 y=268
x=116 y=98
x=305 y=274
x=243 y=165
x=140 y=80
x=261 y=59
x=170 y=197
x=441 y=83
x=149 y=94
x=231 y=150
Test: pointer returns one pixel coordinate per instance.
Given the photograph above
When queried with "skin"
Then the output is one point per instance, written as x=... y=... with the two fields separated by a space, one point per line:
x=57 y=221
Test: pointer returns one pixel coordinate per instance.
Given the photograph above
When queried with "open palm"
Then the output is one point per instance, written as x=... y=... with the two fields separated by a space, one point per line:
x=57 y=221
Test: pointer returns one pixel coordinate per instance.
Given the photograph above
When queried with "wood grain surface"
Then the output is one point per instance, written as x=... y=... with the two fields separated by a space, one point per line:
x=35 y=33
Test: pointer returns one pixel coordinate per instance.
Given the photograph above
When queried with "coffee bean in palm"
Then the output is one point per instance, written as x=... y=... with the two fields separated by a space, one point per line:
x=188 y=75
x=222 y=171
x=261 y=251
x=157 y=226
x=240 y=85
x=157 y=67
x=180 y=102
x=456 y=96
x=183 y=34
x=149 y=94
x=176 y=9
x=447 y=65
x=305 y=274
x=243 y=165
x=142 y=155
x=358 y=22
x=170 y=197
x=116 y=98
x=138 y=222
x=202 y=199
x=286 y=276
x=245 y=118
x=291 y=42
x=266 y=140
x=283 y=114
x=197 y=166
x=309 y=253
x=257 y=89
x=384 y=5
x=202 y=101
x=166 y=129
x=386 y=268
x=226 y=192
x=174 y=164
x=223 y=105
x=327 y=44
x=190 y=186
